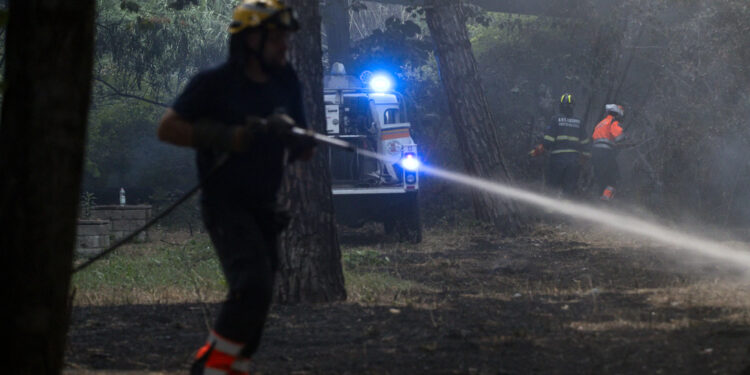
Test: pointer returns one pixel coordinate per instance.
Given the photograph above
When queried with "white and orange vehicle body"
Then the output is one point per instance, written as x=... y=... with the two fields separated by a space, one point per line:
x=373 y=117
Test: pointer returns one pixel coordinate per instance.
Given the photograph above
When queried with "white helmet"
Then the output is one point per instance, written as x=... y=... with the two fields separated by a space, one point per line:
x=614 y=108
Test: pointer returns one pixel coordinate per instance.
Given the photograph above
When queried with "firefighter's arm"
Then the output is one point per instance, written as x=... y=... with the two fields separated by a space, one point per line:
x=585 y=146
x=618 y=132
x=203 y=133
x=550 y=134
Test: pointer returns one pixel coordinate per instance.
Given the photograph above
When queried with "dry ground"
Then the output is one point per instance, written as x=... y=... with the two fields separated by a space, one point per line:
x=556 y=301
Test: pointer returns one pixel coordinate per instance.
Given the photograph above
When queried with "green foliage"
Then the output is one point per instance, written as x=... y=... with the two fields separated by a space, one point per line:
x=146 y=269
x=364 y=258
x=401 y=43
x=150 y=49
x=146 y=51
x=130 y=6
x=123 y=150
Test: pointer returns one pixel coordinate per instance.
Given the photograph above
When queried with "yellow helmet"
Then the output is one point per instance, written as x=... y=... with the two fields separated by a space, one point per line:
x=567 y=99
x=269 y=13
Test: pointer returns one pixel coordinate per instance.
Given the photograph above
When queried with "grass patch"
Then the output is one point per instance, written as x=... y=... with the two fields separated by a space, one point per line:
x=186 y=270
x=368 y=281
x=155 y=272
x=377 y=288
x=364 y=258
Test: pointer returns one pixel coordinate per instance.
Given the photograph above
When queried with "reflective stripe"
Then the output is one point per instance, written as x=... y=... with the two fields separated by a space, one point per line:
x=567 y=138
x=386 y=137
x=225 y=345
x=620 y=138
x=605 y=141
x=219 y=361
x=602 y=145
x=585 y=141
x=586 y=154
x=395 y=133
x=563 y=151
x=549 y=138
x=242 y=365
x=396 y=129
x=202 y=351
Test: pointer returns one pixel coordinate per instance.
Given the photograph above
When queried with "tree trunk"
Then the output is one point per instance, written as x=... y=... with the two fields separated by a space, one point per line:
x=472 y=120
x=336 y=22
x=48 y=75
x=310 y=258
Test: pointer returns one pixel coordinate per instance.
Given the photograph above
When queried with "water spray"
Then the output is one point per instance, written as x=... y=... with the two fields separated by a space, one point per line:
x=622 y=222
x=619 y=221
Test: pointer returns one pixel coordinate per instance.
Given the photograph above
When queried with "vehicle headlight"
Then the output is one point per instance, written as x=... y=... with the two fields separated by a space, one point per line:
x=410 y=162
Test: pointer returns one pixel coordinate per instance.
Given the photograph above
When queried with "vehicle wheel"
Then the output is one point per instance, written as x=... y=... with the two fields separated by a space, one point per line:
x=410 y=225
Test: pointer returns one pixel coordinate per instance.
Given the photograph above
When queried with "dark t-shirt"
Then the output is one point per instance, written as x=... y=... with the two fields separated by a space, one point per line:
x=226 y=95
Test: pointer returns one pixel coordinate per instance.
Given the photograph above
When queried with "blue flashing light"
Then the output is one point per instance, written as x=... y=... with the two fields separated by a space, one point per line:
x=381 y=83
x=410 y=162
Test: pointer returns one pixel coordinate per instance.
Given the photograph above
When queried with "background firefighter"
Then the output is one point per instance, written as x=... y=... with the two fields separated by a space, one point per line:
x=608 y=134
x=565 y=139
x=220 y=112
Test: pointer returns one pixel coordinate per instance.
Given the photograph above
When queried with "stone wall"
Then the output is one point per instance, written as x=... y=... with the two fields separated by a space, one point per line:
x=92 y=236
x=124 y=219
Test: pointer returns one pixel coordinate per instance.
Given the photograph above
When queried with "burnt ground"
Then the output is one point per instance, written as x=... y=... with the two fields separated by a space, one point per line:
x=555 y=301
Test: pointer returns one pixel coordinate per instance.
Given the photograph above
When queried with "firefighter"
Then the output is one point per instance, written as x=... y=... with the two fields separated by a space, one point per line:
x=219 y=113
x=566 y=141
x=608 y=134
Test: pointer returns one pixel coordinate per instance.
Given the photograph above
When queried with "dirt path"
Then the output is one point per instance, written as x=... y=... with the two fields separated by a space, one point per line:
x=555 y=302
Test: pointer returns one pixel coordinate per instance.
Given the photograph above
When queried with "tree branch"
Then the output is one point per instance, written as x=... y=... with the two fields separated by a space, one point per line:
x=556 y=8
x=130 y=96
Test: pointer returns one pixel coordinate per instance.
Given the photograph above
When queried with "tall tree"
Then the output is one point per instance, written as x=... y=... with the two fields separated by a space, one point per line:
x=336 y=22
x=472 y=120
x=310 y=258
x=49 y=50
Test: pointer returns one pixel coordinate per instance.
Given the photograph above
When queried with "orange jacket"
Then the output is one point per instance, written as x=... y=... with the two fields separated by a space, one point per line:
x=607 y=133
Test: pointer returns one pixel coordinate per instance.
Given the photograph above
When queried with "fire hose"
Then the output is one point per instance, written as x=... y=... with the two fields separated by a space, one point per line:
x=293 y=130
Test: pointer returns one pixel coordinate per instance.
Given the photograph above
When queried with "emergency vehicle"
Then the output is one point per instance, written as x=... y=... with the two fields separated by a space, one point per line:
x=367 y=113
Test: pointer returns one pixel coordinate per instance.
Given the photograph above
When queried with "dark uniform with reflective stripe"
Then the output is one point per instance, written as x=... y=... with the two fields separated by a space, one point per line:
x=238 y=202
x=565 y=139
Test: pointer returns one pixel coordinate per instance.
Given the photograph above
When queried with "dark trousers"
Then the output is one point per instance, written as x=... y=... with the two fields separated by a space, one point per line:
x=246 y=244
x=606 y=172
x=562 y=173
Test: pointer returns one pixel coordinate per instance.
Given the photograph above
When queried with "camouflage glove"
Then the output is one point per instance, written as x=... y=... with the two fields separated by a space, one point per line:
x=279 y=125
x=211 y=134
x=538 y=150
